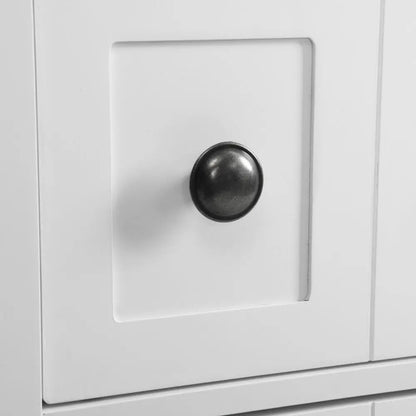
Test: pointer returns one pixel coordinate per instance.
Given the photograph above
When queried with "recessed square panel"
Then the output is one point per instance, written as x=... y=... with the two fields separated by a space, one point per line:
x=170 y=101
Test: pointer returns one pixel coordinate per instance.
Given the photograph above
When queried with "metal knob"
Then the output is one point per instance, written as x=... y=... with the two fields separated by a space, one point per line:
x=226 y=182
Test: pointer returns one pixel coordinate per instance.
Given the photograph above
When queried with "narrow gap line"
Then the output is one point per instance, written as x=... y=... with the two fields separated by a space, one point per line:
x=376 y=180
x=38 y=188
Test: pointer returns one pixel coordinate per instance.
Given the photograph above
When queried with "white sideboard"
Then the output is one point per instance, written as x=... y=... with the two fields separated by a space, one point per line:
x=118 y=297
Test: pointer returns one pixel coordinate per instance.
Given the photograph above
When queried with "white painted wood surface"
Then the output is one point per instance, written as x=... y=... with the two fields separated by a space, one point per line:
x=256 y=394
x=358 y=409
x=20 y=369
x=395 y=297
x=400 y=406
x=353 y=409
x=86 y=353
x=19 y=287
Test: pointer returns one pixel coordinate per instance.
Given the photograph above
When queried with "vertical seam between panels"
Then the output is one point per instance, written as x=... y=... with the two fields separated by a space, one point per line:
x=38 y=184
x=376 y=178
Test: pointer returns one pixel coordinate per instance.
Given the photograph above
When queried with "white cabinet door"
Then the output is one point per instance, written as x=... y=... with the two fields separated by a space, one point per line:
x=140 y=291
x=396 y=268
x=403 y=406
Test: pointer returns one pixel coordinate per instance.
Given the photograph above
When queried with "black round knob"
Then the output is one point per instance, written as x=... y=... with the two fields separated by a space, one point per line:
x=226 y=182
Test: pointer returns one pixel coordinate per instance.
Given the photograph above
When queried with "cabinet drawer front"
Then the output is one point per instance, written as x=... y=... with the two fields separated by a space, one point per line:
x=361 y=409
x=403 y=406
x=142 y=292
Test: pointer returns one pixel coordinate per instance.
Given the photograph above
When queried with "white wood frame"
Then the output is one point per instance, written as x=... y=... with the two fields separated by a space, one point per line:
x=255 y=394
x=395 y=304
x=354 y=408
x=20 y=363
